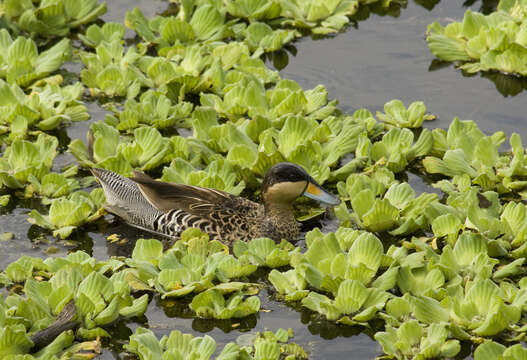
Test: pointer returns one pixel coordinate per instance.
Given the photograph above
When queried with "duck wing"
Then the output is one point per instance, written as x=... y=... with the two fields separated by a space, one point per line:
x=192 y=199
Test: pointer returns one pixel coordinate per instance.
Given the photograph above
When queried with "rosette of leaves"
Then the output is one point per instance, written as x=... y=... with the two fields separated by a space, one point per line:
x=354 y=303
x=265 y=252
x=515 y=217
x=21 y=62
x=212 y=304
x=153 y=109
x=99 y=300
x=513 y=168
x=467 y=259
x=381 y=204
x=246 y=95
x=319 y=18
x=52 y=18
x=193 y=264
x=413 y=340
x=190 y=69
x=66 y=214
x=397 y=148
x=342 y=264
x=108 y=32
x=261 y=38
x=219 y=174
x=23 y=158
x=482 y=309
x=204 y=23
x=53 y=185
x=257 y=144
x=43 y=109
x=178 y=345
x=111 y=71
x=265 y=345
x=253 y=9
x=464 y=149
x=396 y=114
x=147 y=150
x=16 y=344
x=491 y=349
x=485 y=42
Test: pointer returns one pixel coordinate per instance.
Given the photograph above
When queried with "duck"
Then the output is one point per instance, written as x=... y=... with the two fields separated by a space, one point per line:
x=168 y=209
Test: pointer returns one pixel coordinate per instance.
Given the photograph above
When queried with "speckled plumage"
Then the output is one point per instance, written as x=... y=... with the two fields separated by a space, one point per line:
x=168 y=209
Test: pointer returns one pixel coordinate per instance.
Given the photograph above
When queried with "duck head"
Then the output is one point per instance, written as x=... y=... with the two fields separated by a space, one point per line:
x=285 y=182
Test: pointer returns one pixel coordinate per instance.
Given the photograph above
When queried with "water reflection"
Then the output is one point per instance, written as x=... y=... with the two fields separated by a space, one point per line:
x=487 y=6
x=427 y=4
x=179 y=308
x=506 y=84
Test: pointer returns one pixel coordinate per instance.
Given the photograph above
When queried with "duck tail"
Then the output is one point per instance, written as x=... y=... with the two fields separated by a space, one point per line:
x=124 y=199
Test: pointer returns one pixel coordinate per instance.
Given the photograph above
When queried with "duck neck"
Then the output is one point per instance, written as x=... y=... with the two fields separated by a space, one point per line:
x=282 y=211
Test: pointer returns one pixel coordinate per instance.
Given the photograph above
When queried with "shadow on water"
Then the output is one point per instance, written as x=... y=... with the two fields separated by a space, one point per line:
x=487 y=6
x=507 y=85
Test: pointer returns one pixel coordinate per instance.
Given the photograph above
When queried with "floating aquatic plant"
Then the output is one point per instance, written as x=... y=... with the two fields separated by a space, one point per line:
x=219 y=174
x=23 y=159
x=205 y=23
x=265 y=345
x=399 y=210
x=153 y=109
x=51 y=18
x=212 y=304
x=147 y=150
x=484 y=42
x=396 y=114
x=113 y=72
x=491 y=349
x=21 y=62
x=68 y=213
x=75 y=280
x=413 y=340
x=265 y=252
x=108 y=32
x=192 y=265
x=44 y=109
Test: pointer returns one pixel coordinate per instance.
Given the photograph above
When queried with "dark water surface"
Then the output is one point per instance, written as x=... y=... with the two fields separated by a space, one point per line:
x=381 y=58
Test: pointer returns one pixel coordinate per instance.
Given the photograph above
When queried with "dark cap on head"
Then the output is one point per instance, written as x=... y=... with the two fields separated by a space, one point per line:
x=284 y=172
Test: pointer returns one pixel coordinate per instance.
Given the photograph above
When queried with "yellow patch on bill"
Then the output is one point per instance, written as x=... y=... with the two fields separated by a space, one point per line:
x=313 y=189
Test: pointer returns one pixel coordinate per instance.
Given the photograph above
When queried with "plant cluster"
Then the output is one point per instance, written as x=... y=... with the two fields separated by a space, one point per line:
x=485 y=42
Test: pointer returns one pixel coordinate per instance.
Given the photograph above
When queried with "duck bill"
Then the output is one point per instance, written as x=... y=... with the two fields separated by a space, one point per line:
x=316 y=192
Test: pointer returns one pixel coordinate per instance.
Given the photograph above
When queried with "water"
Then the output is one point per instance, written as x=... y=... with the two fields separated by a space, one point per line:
x=375 y=61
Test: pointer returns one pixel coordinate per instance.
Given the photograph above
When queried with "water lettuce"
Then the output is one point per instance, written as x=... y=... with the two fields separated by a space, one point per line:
x=491 y=349
x=52 y=18
x=192 y=265
x=264 y=345
x=99 y=300
x=44 y=109
x=212 y=304
x=265 y=252
x=68 y=213
x=396 y=114
x=23 y=159
x=413 y=340
x=153 y=109
x=108 y=32
x=22 y=63
x=113 y=72
x=147 y=149
x=484 y=42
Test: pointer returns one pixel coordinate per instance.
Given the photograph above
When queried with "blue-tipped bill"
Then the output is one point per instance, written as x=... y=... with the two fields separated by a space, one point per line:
x=315 y=192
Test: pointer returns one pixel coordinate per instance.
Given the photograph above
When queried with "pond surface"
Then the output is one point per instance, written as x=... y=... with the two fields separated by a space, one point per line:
x=375 y=61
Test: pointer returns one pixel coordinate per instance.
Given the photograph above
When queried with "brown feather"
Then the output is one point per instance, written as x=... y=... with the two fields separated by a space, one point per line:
x=192 y=199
